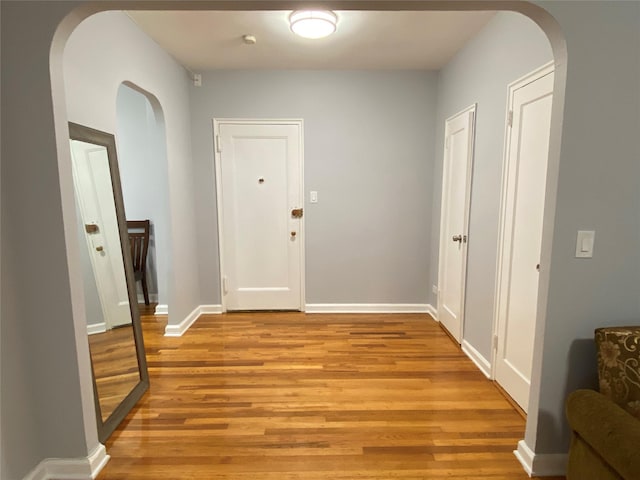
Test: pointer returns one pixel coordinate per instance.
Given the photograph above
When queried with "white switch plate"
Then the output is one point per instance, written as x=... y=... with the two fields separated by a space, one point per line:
x=584 y=243
x=313 y=196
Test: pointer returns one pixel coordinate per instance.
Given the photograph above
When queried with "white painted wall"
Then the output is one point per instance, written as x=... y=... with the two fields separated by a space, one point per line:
x=141 y=143
x=507 y=48
x=46 y=387
x=104 y=51
x=368 y=138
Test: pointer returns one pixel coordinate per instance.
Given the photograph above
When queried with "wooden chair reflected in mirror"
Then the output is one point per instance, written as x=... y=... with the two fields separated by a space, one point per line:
x=139 y=243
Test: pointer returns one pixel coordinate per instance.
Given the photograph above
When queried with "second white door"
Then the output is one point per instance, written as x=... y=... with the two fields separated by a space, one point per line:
x=524 y=187
x=259 y=171
x=454 y=219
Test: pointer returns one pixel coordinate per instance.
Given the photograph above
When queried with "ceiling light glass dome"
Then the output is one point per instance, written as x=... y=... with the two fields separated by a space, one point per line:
x=313 y=23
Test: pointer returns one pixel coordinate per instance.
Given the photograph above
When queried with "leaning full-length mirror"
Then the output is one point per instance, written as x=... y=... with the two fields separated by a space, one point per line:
x=113 y=322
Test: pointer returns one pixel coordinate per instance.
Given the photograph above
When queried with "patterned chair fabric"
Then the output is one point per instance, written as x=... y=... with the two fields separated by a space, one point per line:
x=619 y=366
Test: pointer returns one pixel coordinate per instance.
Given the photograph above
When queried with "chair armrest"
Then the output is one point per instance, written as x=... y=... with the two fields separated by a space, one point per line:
x=611 y=431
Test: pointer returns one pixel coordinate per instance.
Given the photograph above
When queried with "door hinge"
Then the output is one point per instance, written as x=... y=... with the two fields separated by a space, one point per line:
x=446 y=141
x=218 y=144
x=510 y=118
x=494 y=342
x=225 y=289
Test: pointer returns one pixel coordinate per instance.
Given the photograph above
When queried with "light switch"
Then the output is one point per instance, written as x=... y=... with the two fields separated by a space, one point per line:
x=313 y=196
x=584 y=243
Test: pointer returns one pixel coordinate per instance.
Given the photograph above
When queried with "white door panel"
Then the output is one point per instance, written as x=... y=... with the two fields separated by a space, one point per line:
x=94 y=192
x=260 y=169
x=456 y=188
x=521 y=233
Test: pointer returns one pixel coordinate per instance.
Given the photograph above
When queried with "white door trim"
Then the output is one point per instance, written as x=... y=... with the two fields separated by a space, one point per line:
x=218 y=172
x=499 y=298
x=471 y=109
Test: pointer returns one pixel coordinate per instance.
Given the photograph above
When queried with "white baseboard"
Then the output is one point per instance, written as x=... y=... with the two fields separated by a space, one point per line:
x=477 y=358
x=525 y=456
x=96 y=328
x=71 y=468
x=431 y=310
x=180 y=329
x=97 y=460
x=161 y=310
x=366 y=308
x=541 y=465
x=210 y=309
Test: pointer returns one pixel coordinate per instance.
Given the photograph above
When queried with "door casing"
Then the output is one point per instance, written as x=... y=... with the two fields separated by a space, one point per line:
x=219 y=207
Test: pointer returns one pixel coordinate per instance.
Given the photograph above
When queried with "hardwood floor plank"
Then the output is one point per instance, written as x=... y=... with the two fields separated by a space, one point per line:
x=290 y=396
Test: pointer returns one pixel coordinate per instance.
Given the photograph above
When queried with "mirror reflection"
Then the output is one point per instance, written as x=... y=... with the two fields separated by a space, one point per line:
x=110 y=318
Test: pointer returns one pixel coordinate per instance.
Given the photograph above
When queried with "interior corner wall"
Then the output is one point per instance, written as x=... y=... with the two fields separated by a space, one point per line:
x=142 y=158
x=507 y=48
x=104 y=51
x=368 y=152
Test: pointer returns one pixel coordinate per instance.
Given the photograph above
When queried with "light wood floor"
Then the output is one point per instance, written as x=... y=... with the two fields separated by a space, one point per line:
x=291 y=396
x=115 y=366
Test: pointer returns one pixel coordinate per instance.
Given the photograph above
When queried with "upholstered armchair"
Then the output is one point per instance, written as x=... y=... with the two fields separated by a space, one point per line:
x=619 y=366
x=606 y=426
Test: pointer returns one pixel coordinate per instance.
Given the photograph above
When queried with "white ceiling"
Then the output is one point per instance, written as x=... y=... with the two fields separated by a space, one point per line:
x=210 y=40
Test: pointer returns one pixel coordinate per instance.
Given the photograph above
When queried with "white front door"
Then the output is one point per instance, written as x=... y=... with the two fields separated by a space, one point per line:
x=454 y=219
x=259 y=169
x=94 y=194
x=524 y=186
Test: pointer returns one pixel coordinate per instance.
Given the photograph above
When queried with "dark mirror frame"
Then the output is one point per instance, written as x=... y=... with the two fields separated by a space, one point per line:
x=106 y=427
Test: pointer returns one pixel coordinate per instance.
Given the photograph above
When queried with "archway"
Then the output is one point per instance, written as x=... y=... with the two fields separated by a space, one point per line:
x=552 y=31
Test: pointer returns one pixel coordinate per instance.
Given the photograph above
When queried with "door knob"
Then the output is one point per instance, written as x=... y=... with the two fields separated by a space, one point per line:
x=293 y=234
x=457 y=238
x=100 y=248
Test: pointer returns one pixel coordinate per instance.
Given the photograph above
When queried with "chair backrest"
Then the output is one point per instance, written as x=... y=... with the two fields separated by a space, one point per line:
x=139 y=242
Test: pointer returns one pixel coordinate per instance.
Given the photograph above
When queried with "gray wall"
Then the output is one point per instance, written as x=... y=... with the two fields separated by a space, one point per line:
x=142 y=159
x=598 y=189
x=103 y=52
x=369 y=154
x=45 y=408
x=507 y=48
x=45 y=369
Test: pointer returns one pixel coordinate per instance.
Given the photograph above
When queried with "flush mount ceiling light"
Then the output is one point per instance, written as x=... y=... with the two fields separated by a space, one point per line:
x=313 y=23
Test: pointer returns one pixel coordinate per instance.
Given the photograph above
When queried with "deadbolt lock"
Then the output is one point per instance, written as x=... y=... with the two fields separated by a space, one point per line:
x=297 y=213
